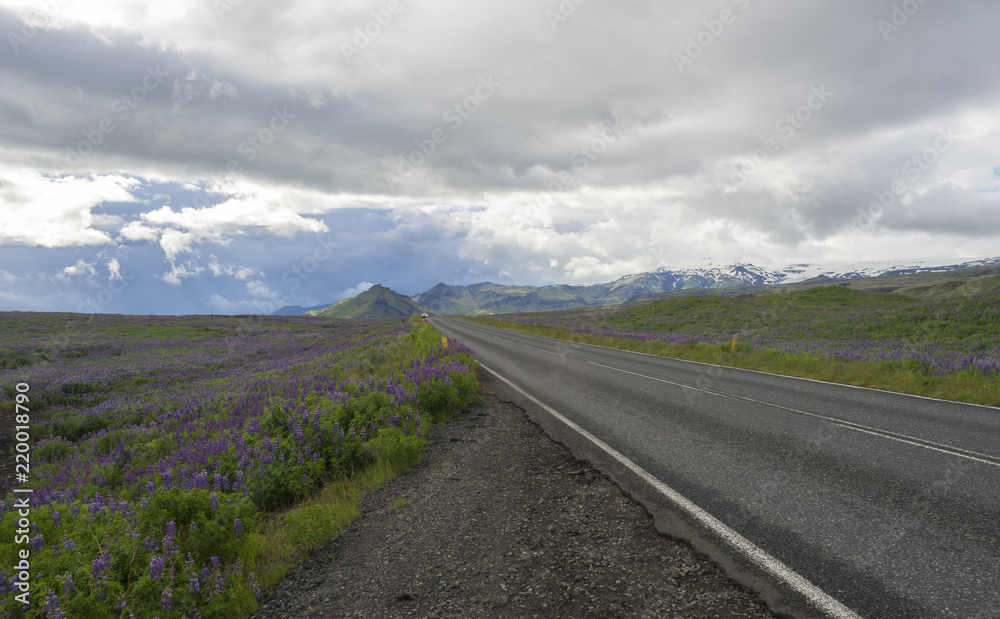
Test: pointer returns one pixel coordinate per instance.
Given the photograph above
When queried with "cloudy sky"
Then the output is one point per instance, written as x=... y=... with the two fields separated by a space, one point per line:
x=233 y=156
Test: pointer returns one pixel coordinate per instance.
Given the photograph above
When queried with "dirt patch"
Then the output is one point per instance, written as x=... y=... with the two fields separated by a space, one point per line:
x=500 y=521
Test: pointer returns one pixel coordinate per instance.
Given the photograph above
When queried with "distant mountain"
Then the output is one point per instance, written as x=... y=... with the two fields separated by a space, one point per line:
x=800 y=272
x=297 y=310
x=923 y=282
x=490 y=298
x=376 y=302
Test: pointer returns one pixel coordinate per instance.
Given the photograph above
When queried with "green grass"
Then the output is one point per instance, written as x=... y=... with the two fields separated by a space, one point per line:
x=966 y=386
x=148 y=371
x=292 y=536
x=399 y=503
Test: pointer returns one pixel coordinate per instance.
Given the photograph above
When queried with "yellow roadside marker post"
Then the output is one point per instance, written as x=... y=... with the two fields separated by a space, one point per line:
x=444 y=341
x=734 y=344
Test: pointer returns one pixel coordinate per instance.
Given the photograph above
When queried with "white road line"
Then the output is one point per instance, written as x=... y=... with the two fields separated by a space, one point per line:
x=547 y=352
x=753 y=553
x=734 y=369
x=901 y=440
x=850 y=425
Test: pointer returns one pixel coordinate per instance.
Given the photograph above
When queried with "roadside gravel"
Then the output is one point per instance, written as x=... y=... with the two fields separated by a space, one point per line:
x=500 y=521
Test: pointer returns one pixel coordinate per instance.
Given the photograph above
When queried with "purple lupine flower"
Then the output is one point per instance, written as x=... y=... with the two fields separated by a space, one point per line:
x=254 y=586
x=149 y=544
x=215 y=502
x=169 y=547
x=67 y=584
x=238 y=526
x=52 y=606
x=99 y=564
x=156 y=567
x=56 y=519
x=167 y=599
x=36 y=543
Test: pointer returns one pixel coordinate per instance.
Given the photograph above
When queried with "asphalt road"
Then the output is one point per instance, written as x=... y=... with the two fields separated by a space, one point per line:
x=888 y=503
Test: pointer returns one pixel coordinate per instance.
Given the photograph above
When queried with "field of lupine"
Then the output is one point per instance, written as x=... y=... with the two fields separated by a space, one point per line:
x=896 y=337
x=161 y=446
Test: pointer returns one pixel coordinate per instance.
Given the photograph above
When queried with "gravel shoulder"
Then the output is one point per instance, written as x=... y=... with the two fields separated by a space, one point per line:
x=500 y=521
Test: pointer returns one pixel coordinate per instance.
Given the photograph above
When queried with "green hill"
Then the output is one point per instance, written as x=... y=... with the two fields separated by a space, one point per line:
x=932 y=285
x=376 y=302
x=488 y=298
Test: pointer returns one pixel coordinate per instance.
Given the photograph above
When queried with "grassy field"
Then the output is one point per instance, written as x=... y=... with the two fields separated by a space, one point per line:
x=180 y=465
x=947 y=347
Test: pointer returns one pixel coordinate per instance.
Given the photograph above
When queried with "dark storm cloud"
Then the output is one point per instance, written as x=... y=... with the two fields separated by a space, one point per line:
x=690 y=125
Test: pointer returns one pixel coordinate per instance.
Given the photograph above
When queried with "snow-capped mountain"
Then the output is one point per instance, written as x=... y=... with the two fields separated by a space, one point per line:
x=489 y=298
x=801 y=272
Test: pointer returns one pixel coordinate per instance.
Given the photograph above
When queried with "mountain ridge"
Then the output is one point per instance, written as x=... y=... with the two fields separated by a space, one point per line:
x=485 y=298
x=376 y=302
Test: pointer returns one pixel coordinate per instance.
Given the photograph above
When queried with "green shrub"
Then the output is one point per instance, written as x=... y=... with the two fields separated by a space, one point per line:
x=54 y=449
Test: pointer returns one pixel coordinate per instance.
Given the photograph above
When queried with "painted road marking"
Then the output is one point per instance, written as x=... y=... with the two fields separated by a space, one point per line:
x=753 y=553
x=850 y=425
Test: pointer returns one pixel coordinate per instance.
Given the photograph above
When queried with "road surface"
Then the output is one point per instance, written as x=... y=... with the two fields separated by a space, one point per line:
x=889 y=504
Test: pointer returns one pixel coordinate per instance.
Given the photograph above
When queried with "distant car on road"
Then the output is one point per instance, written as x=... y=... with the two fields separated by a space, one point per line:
x=425 y=315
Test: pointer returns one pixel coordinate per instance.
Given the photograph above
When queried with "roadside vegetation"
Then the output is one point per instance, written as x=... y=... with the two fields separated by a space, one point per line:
x=945 y=348
x=182 y=465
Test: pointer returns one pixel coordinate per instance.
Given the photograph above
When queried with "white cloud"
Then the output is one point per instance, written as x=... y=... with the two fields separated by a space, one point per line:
x=260 y=290
x=44 y=211
x=224 y=306
x=647 y=200
x=114 y=269
x=353 y=292
x=135 y=231
x=265 y=300
x=222 y=89
x=239 y=215
x=80 y=269
x=178 y=272
x=238 y=272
